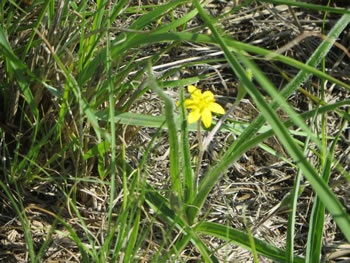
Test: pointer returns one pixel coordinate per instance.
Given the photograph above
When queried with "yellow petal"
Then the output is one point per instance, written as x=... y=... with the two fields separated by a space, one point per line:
x=191 y=89
x=208 y=96
x=190 y=104
x=214 y=107
x=207 y=117
x=193 y=116
x=196 y=94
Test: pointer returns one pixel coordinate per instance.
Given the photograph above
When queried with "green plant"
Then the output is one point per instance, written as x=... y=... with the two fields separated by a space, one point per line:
x=71 y=78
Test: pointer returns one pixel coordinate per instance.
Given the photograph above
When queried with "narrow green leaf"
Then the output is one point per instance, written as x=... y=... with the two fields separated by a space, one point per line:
x=144 y=120
x=133 y=237
x=242 y=239
x=316 y=225
x=173 y=139
x=35 y=27
x=156 y=13
x=186 y=156
x=292 y=214
x=308 y=6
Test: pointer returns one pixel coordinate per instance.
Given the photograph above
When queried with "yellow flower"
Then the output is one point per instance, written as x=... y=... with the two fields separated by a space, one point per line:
x=202 y=105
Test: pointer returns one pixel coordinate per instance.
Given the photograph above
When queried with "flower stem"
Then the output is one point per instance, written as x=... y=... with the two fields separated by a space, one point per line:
x=200 y=154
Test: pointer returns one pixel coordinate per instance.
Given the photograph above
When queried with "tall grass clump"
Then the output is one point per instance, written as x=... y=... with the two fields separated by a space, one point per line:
x=83 y=82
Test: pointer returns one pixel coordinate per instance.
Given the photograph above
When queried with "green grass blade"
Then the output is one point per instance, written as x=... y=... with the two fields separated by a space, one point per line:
x=316 y=225
x=173 y=139
x=156 y=13
x=305 y=5
x=180 y=245
x=315 y=232
x=144 y=120
x=250 y=237
x=189 y=183
x=36 y=26
x=117 y=8
x=292 y=213
x=242 y=239
x=111 y=101
x=93 y=252
x=132 y=240
x=117 y=233
x=97 y=23
x=178 y=22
